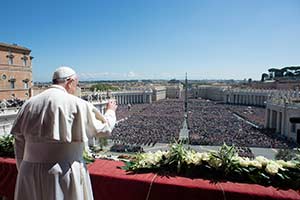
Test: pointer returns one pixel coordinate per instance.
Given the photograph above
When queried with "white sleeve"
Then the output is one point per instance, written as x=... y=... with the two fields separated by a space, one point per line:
x=110 y=117
x=100 y=125
x=16 y=131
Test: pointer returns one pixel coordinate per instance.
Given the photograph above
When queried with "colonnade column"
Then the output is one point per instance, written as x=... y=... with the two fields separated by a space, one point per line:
x=267 y=118
x=270 y=119
x=278 y=123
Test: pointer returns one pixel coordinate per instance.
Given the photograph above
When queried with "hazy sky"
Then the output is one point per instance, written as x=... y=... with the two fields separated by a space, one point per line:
x=154 y=39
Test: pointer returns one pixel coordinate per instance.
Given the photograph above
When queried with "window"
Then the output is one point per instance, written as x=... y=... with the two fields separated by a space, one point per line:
x=24 y=58
x=26 y=85
x=10 y=60
x=10 y=57
x=12 y=84
x=3 y=77
x=24 y=62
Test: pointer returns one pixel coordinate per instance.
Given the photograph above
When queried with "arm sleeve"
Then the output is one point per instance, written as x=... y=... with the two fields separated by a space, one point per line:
x=17 y=132
x=102 y=125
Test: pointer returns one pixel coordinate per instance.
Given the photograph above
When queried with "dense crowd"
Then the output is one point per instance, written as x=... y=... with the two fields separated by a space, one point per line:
x=256 y=115
x=209 y=123
x=121 y=148
x=124 y=111
x=146 y=125
x=214 y=124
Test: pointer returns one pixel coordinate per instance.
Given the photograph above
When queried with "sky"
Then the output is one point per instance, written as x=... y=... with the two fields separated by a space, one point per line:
x=155 y=39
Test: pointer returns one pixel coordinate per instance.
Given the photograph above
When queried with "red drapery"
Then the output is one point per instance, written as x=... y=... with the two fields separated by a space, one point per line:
x=111 y=183
x=8 y=177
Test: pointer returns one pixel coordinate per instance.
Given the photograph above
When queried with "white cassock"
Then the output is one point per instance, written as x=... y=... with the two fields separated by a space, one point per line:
x=50 y=131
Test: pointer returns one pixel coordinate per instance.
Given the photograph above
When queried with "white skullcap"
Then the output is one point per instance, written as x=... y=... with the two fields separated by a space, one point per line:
x=63 y=73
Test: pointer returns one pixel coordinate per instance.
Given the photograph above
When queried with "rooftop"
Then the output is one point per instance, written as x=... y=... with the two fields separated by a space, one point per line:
x=14 y=47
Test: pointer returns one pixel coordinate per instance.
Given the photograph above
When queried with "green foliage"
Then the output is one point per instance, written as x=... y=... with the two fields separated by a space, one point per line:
x=285 y=72
x=226 y=155
x=103 y=87
x=87 y=157
x=7 y=146
x=176 y=156
x=221 y=165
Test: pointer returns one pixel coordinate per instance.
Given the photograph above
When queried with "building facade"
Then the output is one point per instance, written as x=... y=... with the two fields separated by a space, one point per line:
x=283 y=84
x=123 y=97
x=215 y=93
x=279 y=114
x=15 y=72
x=250 y=97
x=174 y=91
x=159 y=93
x=133 y=97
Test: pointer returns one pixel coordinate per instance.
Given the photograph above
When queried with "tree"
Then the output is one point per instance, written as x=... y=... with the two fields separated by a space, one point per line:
x=276 y=72
x=264 y=76
x=289 y=74
x=103 y=87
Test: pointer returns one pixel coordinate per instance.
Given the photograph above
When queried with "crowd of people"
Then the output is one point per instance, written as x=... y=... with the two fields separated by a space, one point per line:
x=124 y=111
x=213 y=124
x=209 y=123
x=146 y=125
x=256 y=115
x=122 y=148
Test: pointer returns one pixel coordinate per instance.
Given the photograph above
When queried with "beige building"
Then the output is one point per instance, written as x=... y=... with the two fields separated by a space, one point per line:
x=159 y=93
x=174 y=91
x=212 y=92
x=280 y=112
x=15 y=71
x=253 y=97
x=283 y=84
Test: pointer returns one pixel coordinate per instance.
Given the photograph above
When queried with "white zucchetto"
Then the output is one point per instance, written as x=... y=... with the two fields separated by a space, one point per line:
x=63 y=73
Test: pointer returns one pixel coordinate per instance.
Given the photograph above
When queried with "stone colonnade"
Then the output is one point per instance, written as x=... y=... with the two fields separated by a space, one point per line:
x=124 y=98
x=247 y=97
x=274 y=117
x=255 y=97
x=278 y=115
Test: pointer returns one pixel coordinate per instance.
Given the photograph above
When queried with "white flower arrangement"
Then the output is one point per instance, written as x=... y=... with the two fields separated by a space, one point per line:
x=225 y=163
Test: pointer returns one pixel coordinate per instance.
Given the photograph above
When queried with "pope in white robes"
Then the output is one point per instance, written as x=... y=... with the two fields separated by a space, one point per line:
x=50 y=132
